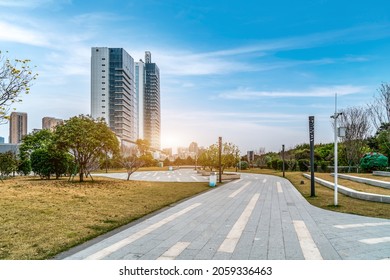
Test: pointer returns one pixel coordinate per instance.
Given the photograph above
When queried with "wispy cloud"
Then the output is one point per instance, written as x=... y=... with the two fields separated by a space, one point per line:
x=21 y=34
x=249 y=94
x=29 y=3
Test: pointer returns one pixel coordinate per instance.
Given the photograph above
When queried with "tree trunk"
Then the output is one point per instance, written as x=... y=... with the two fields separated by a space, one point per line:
x=128 y=175
x=81 y=175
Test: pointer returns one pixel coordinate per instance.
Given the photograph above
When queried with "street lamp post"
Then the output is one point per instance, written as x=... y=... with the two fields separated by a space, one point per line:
x=283 y=160
x=335 y=116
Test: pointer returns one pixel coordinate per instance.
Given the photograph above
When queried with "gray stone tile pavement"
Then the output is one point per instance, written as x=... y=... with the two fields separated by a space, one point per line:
x=269 y=232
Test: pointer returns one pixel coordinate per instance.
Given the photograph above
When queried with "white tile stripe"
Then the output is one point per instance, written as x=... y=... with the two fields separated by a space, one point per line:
x=174 y=251
x=308 y=246
x=230 y=243
x=362 y=225
x=239 y=190
x=265 y=180
x=279 y=186
x=239 y=180
x=372 y=241
x=196 y=179
x=126 y=241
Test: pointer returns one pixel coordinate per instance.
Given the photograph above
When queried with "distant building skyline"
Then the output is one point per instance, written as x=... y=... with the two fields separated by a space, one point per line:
x=50 y=122
x=17 y=127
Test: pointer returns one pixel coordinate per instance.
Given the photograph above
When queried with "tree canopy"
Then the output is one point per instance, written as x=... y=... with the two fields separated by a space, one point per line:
x=87 y=140
x=15 y=78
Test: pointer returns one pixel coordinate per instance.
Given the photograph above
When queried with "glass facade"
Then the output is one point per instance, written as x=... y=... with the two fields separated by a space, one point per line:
x=152 y=119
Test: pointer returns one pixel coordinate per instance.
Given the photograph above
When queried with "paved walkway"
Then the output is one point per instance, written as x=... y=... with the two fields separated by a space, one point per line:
x=256 y=217
x=180 y=175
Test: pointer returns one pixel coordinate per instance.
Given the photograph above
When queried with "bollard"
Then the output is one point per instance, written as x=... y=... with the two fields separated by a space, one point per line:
x=213 y=179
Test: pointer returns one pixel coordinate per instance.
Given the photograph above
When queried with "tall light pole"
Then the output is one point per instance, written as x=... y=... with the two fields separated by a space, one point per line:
x=283 y=160
x=335 y=116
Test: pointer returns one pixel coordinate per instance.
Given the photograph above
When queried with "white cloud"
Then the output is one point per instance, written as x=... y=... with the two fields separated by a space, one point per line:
x=24 y=35
x=248 y=94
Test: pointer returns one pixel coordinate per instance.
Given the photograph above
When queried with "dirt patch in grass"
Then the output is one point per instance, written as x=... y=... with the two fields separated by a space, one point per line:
x=39 y=218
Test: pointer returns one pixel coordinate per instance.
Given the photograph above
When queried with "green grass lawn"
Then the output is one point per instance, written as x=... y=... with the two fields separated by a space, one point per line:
x=41 y=218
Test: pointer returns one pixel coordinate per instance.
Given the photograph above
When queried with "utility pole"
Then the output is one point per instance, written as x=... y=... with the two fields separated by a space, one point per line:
x=283 y=158
x=220 y=158
x=335 y=116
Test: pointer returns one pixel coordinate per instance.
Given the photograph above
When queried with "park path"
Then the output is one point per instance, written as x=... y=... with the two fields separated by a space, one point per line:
x=255 y=217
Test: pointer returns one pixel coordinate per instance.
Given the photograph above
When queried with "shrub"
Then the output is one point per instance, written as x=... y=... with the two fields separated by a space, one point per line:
x=373 y=161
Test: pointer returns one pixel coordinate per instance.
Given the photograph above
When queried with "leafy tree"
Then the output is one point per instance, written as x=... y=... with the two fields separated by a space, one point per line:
x=379 y=109
x=86 y=139
x=356 y=122
x=34 y=141
x=129 y=160
x=210 y=157
x=8 y=163
x=46 y=162
x=143 y=146
x=15 y=78
x=167 y=162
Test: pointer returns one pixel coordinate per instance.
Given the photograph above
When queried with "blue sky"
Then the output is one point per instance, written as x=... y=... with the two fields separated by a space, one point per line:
x=249 y=71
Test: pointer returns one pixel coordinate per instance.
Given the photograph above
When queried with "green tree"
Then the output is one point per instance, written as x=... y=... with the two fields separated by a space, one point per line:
x=129 y=160
x=86 y=139
x=143 y=146
x=15 y=78
x=8 y=163
x=34 y=141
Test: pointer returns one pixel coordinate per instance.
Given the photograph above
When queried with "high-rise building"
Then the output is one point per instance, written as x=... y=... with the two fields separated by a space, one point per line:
x=152 y=117
x=193 y=147
x=139 y=92
x=17 y=127
x=113 y=94
x=50 y=123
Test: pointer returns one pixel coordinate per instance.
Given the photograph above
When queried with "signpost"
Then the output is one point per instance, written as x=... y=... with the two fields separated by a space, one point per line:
x=311 y=135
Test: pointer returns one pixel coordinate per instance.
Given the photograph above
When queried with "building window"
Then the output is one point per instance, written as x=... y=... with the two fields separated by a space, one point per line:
x=103 y=88
x=103 y=58
x=103 y=94
x=103 y=100
x=103 y=65
x=103 y=83
x=103 y=70
x=103 y=77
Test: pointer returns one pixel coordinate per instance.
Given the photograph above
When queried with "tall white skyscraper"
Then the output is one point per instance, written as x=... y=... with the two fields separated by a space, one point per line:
x=139 y=90
x=113 y=95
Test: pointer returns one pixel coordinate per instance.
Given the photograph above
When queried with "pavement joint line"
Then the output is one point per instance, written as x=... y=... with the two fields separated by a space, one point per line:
x=362 y=225
x=279 y=186
x=308 y=246
x=174 y=251
x=372 y=241
x=130 y=239
x=231 y=240
x=237 y=181
x=239 y=190
x=196 y=179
